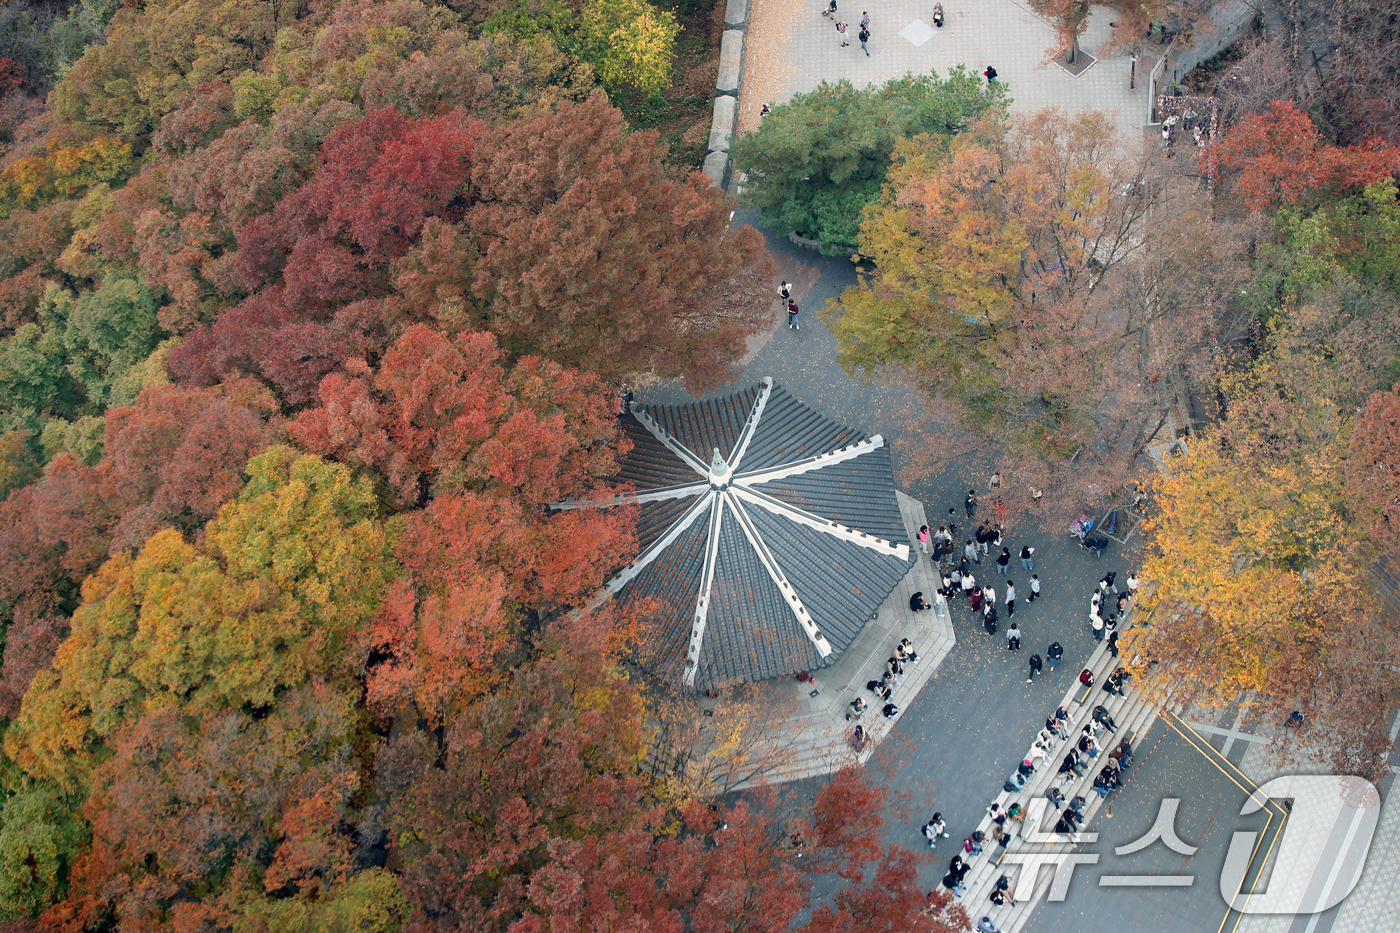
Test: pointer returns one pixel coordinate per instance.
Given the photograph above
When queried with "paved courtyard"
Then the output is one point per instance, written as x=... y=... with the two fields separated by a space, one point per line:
x=792 y=48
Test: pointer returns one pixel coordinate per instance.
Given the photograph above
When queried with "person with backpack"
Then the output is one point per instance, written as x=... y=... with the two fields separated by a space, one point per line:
x=1013 y=638
x=938 y=826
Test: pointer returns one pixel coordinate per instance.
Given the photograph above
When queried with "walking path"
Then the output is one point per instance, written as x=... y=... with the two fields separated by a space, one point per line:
x=791 y=49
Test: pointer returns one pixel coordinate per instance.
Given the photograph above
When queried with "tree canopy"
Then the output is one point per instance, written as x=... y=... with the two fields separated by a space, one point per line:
x=818 y=159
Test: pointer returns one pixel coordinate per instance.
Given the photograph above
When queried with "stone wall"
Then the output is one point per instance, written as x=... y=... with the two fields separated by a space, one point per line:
x=727 y=85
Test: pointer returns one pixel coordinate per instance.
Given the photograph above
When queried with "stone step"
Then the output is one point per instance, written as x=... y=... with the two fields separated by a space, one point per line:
x=1134 y=720
x=1021 y=912
x=1127 y=712
x=1076 y=701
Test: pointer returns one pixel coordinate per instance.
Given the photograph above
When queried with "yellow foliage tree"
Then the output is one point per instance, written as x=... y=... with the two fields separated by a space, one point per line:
x=631 y=42
x=1256 y=584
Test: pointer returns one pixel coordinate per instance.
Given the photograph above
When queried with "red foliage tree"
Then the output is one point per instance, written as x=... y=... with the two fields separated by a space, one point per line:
x=176 y=454
x=441 y=411
x=1282 y=158
x=471 y=563
x=594 y=255
x=30 y=244
x=380 y=178
x=52 y=535
x=1374 y=466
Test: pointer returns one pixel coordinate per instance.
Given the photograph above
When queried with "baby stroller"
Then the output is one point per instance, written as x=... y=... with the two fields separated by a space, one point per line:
x=1082 y=529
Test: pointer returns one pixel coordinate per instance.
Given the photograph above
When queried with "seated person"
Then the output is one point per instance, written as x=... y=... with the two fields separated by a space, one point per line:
x=917 y=603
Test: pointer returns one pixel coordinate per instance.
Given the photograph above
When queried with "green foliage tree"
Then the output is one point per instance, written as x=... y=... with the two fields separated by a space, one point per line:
x=819 y=159
x=631 y=42
x=40 y=838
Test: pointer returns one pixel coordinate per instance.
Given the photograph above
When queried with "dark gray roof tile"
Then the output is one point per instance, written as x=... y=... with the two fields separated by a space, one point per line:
x=855 y=493
x=704 y=425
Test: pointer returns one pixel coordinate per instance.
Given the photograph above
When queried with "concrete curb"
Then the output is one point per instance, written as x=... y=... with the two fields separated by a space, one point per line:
x=727 y=86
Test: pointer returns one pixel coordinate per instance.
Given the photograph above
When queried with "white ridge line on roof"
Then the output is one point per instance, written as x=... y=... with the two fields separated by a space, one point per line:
x=879 y=545
x=657 y=546
x=640 y=498
x=765 y=557
x=707 y=579
x=673 y=445
x=812 y=463
x=751 y=428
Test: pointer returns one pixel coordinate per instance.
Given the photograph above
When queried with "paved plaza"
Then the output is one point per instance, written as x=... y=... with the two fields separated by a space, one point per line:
x=792 y=48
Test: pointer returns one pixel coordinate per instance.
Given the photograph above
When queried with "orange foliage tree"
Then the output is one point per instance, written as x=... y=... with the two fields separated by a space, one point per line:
x=1281 y=158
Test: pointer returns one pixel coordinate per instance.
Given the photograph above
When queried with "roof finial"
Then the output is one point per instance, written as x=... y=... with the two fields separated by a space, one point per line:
x=719 y=470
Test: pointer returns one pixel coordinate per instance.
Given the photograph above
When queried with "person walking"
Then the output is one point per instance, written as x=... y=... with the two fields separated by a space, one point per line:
x=1035 y=589
x=1036 y=666
x=1026 y=561
x=864 y=37
x=938 y=826
x=1054 y=653
x=1113 y=643
x=990 y=74
x=985 y=925
x=865 y=19
x=1013 y=638
x=923 y=538
x=1003 y=559
x=1010 y=598
x=792 y=316
x=940 y=601
x=970 y=503
x=841 y=31
x=938 y=15
x=830 y=10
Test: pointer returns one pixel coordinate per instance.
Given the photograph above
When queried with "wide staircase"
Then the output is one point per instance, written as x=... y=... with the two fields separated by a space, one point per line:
x=1133 y=716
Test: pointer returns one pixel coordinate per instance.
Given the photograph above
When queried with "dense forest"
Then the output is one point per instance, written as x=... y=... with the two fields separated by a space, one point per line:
x=306 y=310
